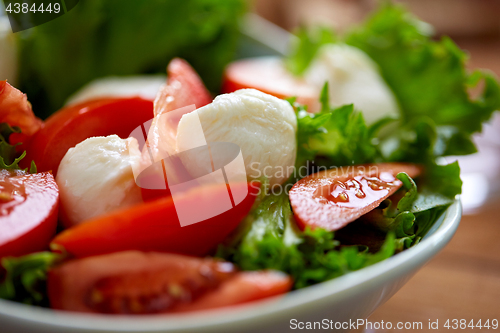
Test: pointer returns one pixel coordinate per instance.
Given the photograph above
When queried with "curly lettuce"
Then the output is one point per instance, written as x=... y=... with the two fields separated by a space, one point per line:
x=23 y=278
x=428 y=77
x=268 y=238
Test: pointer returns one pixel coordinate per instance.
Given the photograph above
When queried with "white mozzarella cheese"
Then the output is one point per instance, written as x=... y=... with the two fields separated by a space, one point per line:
x=263 y=126
x=353 y=77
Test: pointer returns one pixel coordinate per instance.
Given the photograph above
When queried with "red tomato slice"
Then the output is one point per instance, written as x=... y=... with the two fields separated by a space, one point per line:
x=242 y=288
x=184 y=87
x=135 y=282
x=333 y=198
x=155 y=226
x=28 y=211
x=16 y=110
x=268 y=75
x=70 y=126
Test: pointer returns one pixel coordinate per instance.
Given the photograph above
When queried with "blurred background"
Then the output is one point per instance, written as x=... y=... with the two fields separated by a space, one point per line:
x=463 y=281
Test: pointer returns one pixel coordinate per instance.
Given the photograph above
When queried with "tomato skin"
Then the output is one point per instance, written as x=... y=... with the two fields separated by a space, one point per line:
x=71 y=125
x=16 y=111
x=127 y=276
x=184 y=87
x=102 y=117
x=155 y=226
x=329 y=199
x=29 y=225
x=268 y=75
x=242 y=288
x=136 y=282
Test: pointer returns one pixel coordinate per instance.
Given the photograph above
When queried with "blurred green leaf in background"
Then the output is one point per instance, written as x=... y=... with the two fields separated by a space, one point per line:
x=124 y=37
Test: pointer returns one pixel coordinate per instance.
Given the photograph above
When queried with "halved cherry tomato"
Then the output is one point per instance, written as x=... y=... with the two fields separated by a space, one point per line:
x=184 y=87
x=155 y=225
x=333 y=198
x=269 y=75
x=135 y=282
x=70 y=126
x=243 y=287
x=28 y=211
x=16 y=111
x=120 y=116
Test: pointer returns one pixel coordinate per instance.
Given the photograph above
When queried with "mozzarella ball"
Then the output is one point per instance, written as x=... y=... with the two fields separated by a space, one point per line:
x=263 y=126
x=95 y=177
x=353 y=78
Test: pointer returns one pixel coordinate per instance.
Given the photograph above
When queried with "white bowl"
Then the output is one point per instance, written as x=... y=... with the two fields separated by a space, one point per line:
x=350 y=297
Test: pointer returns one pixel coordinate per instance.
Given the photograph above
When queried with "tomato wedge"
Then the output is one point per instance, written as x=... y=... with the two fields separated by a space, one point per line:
x=184 y=88
x=333 y=198
x=135 y=282
x=268 y=75
x=155 y=225
x=243 y=287
x=70 y=126
x=28 y=211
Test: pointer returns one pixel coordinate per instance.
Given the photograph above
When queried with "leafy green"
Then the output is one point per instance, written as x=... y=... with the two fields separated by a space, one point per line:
x=24 y=277
x=339 y=135
x=306 y=46
x=33 y=167
x=429 y=80
x=396 y=215
x=411 y=212
x=271 y=240
x=428 y=77
x=115 y=37
x=8 y=153
x=444 y=179
x=437 y=119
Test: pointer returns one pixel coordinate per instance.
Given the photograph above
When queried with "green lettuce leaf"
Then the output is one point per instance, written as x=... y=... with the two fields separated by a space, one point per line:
x=23 y=278
x=336 y=136
x=411 y=212
x=437 y=119
x=429 y=80
x=431 y=84
x=443 y=179
x=8 y=155
x=305 y=47
x=428 y=77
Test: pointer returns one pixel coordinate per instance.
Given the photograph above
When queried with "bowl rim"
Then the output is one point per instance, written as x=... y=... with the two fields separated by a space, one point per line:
x=341 y=288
